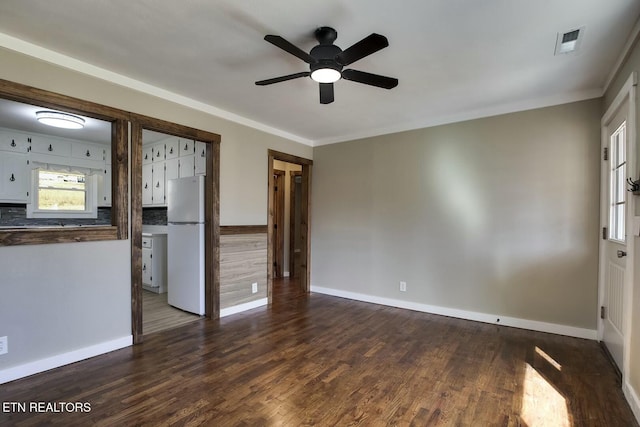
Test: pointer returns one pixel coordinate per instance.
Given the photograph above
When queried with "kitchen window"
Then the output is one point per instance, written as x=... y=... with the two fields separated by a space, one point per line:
x=60 y=193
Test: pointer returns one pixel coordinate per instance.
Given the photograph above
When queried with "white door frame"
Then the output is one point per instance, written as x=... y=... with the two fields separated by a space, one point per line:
x=626 y=93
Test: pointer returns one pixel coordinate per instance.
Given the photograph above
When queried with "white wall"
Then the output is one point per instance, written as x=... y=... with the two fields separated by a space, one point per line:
x=496 y=216
x=62 y=298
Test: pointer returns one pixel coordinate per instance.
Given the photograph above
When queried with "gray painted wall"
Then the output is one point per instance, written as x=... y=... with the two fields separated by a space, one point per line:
x=496 y=215
x=63 y=297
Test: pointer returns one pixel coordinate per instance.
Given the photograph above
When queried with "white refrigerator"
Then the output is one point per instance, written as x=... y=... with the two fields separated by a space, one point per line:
x=185 y=244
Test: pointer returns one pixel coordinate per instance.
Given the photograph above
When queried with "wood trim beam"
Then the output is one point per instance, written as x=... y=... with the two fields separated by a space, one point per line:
x=228 y=230
x=212 y=230
x=120 y=178
x=136 y=233
x=39 y=236
x=174 y=129
x=289 y=158
x=34 y=96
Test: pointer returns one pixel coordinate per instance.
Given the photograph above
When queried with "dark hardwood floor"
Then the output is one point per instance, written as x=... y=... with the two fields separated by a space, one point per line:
x=321 y=360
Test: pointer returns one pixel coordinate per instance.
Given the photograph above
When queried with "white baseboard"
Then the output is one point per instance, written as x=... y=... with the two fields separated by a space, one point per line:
x=21 y=371
x=243 y=307
x=633 y=399
x=496 y=319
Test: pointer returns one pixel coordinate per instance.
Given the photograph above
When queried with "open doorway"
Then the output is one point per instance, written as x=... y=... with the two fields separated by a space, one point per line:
x=201 y=163
x=289 y=226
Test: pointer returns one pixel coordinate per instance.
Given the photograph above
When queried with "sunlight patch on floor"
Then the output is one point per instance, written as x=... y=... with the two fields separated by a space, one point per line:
x=548 y=358
x=542 y=405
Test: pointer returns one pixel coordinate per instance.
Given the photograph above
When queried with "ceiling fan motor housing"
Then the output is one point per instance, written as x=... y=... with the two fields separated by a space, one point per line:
x=325 y=55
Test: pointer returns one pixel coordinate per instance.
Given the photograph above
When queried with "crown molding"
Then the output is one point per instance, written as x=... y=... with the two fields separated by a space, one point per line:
x=61 y=60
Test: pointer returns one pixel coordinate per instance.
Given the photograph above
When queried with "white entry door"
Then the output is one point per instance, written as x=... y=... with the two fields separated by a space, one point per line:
x=616 y=235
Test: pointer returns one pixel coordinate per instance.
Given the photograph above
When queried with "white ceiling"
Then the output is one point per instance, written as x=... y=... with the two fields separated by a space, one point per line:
x=455 y=59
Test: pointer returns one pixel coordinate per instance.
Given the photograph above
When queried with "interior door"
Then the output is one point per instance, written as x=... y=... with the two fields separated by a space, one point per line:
x=278 y=223
x=617 y=235
x=295 y=223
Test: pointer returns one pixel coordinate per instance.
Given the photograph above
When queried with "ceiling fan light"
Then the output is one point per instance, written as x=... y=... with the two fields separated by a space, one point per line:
x=60 y=120
x=326 y=75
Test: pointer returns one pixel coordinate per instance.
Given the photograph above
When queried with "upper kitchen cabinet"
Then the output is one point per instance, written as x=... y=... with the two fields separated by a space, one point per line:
x=167 y=157
x=14 y=167
x=14 y=181
x=16 y=143
x=201 y=158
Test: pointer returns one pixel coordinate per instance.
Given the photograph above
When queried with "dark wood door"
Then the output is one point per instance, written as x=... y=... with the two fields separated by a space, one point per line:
x=295 y=223
x=278 y=222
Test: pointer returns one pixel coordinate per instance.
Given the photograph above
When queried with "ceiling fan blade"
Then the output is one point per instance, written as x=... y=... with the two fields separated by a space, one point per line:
x=283 y=78
x=326 y=93
x=364 y=47
x=370 y=79
x=289 y=47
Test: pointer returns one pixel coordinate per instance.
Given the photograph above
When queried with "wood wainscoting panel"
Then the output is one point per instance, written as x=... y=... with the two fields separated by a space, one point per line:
x=243 y=261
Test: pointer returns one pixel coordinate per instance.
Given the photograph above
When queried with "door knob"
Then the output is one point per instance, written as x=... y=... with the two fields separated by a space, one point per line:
x=621 y=254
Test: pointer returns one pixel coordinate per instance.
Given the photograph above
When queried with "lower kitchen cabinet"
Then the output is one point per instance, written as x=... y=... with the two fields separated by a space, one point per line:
x=154 y=262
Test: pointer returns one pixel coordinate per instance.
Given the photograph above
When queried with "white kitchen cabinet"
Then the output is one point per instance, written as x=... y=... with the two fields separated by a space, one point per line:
x=147 y=154
x=158 y=183
x=87 y=151
x=14 y=177
x=153 y=184
x=154 y=262
x=172 y=149
x=104 y=187
x=187 y=166
x=50 y=146
x=172 y=169
x=201 y=158
x=16 y=143
x=158 y=152
x=147 y=184
x=186 y=147
x=107 y=154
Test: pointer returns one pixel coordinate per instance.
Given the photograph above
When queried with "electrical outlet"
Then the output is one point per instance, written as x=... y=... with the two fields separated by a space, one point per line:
x=4 y=345
x=403 y=286
x=254 y=288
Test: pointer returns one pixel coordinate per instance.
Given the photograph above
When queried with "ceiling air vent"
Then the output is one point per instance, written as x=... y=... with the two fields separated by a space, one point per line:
x=570 y=41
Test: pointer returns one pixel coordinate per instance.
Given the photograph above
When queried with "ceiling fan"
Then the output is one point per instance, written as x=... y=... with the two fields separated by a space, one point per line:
x=326 y=61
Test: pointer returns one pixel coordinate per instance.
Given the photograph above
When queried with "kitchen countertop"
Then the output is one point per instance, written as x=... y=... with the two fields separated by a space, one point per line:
x=154 y=229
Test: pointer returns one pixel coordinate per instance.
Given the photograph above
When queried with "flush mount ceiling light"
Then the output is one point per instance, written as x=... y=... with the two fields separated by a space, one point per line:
x=60 y=120
x=325 y=74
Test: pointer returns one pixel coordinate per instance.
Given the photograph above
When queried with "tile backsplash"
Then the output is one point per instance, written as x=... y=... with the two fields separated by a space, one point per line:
x=154 y=216
x=16 y=216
